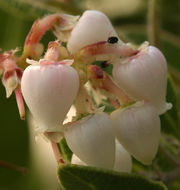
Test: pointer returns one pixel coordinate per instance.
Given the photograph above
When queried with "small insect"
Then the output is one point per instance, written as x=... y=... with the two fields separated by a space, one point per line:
x=104 y=64
x=112 y=40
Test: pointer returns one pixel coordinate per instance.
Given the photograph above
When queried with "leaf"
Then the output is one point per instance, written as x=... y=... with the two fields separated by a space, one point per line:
x=72 y=7
x=171 y=21
x=73 y=177
x=27 y=10
x=65 y=151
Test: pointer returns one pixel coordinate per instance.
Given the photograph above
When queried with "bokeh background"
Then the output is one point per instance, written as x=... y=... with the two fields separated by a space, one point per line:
x=17 y=145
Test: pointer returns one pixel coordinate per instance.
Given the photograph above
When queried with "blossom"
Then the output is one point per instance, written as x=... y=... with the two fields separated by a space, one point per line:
x=122 y=163
x=137 y=128
x=92 y=27
x=92 y=140
x=144 y=77
x=49 y=91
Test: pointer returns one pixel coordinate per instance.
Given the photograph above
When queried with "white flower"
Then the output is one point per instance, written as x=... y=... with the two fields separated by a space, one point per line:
x=137 y=128
x=92 y=140
x=123 y=162
x=49 y=91
x=92 y=27
x=144 y=77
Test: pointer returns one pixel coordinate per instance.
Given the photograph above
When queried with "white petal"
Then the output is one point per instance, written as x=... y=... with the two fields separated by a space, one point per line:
x=76 y=160
x=123 y=162
x=138 y=129
x=49 y=91
x=92 y=140
x=93 y=26
x=144 y=76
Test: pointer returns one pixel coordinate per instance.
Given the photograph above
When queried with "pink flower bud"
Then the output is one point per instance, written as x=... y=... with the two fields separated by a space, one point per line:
x=92 y=27
x=137 y=128
x=49 y=91
x=144 y=77
x=92 y=140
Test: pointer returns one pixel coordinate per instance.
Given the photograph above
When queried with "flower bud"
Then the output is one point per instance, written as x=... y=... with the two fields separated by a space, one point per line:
x=92 y=140
x=92 y=27
x=49 y=91
x=137 y=128
x=144 y=77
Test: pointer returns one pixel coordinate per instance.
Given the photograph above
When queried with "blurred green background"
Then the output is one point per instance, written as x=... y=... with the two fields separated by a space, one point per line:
x=130 y=19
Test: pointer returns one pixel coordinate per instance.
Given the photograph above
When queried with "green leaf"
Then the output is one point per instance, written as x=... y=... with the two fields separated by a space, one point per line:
x=25 y=9
x=71 y=7
x=171 y=22
x=65 y=151
x=73 y=177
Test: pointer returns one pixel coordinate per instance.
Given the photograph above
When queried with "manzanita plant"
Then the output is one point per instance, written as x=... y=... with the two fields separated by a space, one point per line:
x=67 y=74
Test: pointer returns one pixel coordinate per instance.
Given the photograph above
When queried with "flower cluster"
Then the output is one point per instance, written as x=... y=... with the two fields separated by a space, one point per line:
x=67 y=75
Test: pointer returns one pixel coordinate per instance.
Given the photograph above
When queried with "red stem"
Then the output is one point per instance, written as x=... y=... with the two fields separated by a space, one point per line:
x=110 y=86
x=20 y=103
x=13 y=167
x=101 y=80
x=57 y=153
x=105 y=48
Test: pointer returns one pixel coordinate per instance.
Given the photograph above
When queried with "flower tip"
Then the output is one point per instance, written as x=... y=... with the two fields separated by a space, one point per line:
x=8 y=92
x=22 y=116
x=167 y=107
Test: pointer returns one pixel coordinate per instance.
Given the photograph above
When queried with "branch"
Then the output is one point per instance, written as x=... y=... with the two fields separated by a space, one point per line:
x=153 y=21
x=13 y=167
x=57 y=154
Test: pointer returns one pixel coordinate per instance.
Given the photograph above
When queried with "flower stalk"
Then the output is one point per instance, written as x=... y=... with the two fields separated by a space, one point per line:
x=153 y=26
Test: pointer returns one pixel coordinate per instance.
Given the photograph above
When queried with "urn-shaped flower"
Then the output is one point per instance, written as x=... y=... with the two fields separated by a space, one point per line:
x=92 y=140
x=144 y=77
x=137 y=128
x=49 y=91
x=92 y=27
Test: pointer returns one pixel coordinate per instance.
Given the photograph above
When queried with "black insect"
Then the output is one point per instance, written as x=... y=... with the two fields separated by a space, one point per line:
x=104 y=64
x=112 y=40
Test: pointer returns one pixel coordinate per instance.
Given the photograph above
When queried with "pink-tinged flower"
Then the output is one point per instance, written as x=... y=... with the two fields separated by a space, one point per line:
x=61 y=24
x=144 y=77
x=92 y=27
x=92 y=140
x=49 y=91
x=137 y=128
x=122 y=163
